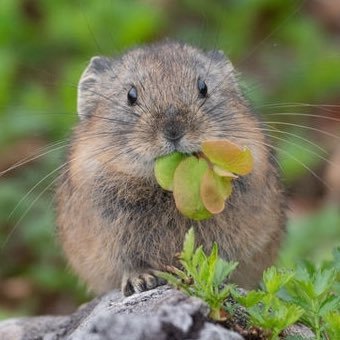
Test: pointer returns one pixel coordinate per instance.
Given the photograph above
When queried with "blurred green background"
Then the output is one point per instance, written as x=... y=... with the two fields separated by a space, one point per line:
x=288 y=53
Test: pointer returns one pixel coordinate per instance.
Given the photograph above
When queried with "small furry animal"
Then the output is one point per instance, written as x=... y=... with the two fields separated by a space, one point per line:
x=115 y=223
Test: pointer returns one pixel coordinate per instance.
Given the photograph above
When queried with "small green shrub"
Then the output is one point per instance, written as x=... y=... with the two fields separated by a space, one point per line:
x=266 y=310
x=312 y=289
x=306 y=294
x=203 y=275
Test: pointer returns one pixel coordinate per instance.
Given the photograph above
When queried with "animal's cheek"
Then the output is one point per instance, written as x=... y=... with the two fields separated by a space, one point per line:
x=147 y=147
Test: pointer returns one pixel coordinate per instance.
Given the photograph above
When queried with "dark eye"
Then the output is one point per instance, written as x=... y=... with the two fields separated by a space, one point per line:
x=132 y=95
x=202 y=87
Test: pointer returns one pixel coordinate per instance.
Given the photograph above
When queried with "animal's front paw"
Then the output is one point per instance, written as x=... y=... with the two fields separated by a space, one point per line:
x=137 y=282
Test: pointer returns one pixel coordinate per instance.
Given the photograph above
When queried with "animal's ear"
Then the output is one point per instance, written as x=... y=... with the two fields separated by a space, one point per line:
x=220 y=58
x=217 y=55
x=222 y=61
x=89 y=86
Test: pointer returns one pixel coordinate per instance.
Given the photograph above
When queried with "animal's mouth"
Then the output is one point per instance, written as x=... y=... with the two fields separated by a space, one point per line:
x=187 y=148
x=184 y=146
x=194 y=152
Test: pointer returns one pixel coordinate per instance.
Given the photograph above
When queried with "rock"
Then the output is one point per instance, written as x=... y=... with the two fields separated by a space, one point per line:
x=162 y=313
x=298 y=331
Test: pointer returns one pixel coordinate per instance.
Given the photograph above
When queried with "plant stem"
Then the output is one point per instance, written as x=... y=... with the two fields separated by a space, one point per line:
x=215 y=314
x=317 y=329
x=274 y=336
x=316 y=322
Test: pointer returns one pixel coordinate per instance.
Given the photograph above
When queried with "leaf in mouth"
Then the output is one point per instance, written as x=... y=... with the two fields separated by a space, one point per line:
x=202 y=183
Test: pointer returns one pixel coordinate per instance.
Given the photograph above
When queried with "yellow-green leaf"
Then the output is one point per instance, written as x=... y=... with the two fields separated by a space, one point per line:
x=165 y=168
x=187 y=183
x=214 y=191
x=228 y=156
x=222 y=172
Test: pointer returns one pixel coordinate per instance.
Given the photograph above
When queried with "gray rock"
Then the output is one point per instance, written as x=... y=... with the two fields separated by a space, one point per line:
x=298 y=331
x=161 y=313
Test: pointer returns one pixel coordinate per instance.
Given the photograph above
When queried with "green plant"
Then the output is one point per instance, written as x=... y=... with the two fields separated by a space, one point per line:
x=332 y=324
x=312 y=289
x=302 y=233
x=203 y=276
x=305 y=294
x=266 y=309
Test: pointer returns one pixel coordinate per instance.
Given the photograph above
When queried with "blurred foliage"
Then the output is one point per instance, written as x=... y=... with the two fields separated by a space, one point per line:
x=312 y=237
x=286 y=52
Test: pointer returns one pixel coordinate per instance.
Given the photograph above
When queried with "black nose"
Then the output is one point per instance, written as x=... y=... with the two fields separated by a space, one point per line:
x=173 y=132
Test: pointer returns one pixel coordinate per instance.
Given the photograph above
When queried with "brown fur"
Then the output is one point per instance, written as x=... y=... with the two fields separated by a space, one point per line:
x=115 y=222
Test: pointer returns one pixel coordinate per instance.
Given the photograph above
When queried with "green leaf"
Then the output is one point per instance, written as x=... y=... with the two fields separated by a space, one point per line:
x=336 y=256
x=165 y=168
x=175 y=281
x=274 y=279
x=228 y=156
x=323 y=281
x=332 y=303
x=223 y=293
x=332 y=324
x=292 y=314
x=200 y=187
x=222 y=271
x=301 y=289
x=256 y=317
x=212 y=263
x=198 y=257
x=181 y=274
x=203 y=273
x=275 y=317
x=187 y=183
x=188 y=245
x=212 y=258
x=170 y=278
x=252 y=298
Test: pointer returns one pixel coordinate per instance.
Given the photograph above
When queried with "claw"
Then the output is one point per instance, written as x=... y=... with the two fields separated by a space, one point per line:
x=140 y=282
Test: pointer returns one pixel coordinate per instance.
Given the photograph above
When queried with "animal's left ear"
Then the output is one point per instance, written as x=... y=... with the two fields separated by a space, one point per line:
x=89 y=85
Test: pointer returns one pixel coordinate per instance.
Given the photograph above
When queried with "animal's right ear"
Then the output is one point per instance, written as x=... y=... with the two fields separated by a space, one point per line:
x=89 y=86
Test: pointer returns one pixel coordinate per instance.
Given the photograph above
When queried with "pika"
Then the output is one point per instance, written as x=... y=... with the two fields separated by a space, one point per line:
x=116 y=225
